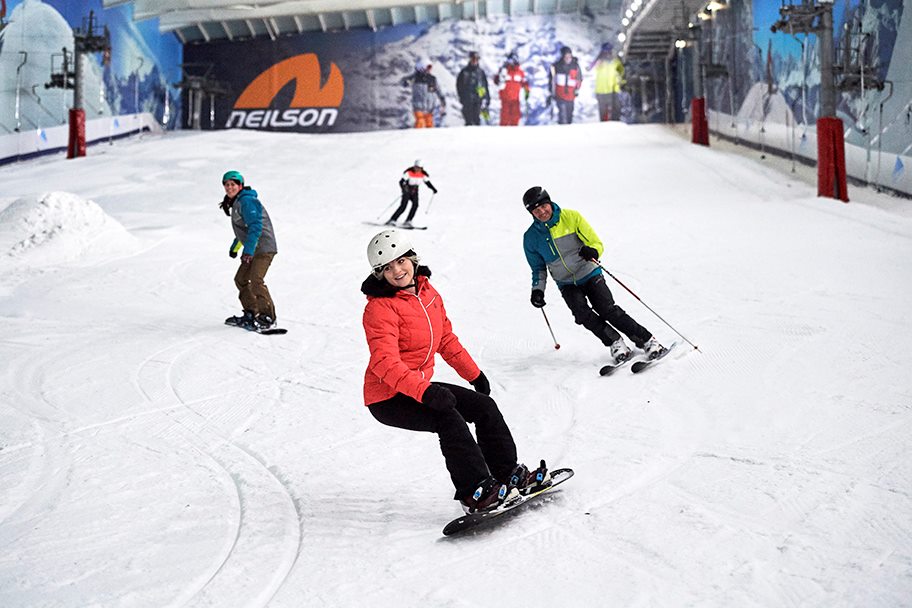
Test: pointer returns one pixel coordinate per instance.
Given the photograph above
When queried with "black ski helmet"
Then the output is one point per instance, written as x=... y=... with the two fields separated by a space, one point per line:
x=565 y=50
x=535 y=197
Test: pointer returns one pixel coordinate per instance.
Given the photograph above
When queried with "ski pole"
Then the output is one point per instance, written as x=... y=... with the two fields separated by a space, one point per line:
x=556 y=345
x=630 y=291
x=385 y=211
x=430 y=200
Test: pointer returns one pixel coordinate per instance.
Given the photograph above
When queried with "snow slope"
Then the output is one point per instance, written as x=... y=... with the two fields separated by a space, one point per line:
x=151 y=456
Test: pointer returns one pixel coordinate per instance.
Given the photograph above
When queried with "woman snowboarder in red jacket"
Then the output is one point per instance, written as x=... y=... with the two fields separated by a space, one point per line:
x=406 y=326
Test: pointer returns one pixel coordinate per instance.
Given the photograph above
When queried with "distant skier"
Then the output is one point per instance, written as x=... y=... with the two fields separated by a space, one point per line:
x=561 y=242
x=426 y=96
x=253 y=232
x=566 y=80
x=609 y=78
x=406 y=325
x=411 y=178
x=511 y=79
x=472 y=88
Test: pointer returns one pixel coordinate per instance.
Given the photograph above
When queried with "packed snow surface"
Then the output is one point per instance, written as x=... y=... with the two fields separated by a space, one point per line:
x=152 y=456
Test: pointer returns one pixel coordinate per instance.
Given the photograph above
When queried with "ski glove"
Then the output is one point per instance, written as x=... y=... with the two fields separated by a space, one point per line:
x=232 y=253
x=538 y=298
x=438 y=398
x=588 y=253
x=481 y=384
x=433 y=189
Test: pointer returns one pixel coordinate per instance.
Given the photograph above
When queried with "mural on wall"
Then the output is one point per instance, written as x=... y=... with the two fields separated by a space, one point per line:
x=775 y=77
x=143 y=65
x=273 y=84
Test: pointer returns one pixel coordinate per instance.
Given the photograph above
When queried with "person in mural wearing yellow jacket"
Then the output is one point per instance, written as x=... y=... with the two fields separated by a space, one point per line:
x=609 y=78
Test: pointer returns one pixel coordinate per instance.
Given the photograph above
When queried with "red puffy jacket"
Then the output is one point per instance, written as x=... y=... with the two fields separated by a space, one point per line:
x=404 y=331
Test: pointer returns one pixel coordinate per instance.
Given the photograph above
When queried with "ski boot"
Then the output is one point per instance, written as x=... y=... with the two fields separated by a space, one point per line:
x=489 y=494
x=620 y=352
x=653 y=349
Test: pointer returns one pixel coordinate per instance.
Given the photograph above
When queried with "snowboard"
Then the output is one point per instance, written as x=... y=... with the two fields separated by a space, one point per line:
x=396 y=226
x=643 y=364
x=271 y=331
x=474 y=520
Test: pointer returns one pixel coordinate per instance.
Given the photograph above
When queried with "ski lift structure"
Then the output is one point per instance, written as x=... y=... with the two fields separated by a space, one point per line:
x=816 y=17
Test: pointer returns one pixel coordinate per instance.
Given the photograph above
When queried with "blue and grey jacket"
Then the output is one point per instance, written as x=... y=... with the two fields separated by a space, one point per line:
x=251 y=223
x=553 y=246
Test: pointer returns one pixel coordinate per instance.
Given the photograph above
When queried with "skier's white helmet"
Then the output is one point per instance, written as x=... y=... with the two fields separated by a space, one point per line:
x=418 y=163
x=422 y=64
x=387 y=246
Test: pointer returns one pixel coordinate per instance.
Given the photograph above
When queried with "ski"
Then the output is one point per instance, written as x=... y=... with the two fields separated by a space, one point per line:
x=642 y=364
x=474 y=520
x=610 y=368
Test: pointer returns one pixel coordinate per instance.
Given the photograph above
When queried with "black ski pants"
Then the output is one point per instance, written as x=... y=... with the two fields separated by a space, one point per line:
x=409 y=195
x=600 y=314
x=471 y=112
x=469 y=461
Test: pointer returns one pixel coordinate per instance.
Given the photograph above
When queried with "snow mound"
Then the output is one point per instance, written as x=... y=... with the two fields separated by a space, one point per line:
x=59 y=228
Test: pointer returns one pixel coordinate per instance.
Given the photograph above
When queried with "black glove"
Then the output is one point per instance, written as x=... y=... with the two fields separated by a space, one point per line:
x=232 y=253
x=538 y=298
x=481 y=384
x=438 y=398
x=589 y=253
x=433 y=189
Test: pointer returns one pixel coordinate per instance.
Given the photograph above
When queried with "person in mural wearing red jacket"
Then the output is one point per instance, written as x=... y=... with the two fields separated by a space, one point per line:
x=406 y=325
x=511 y=79
x=566 y=80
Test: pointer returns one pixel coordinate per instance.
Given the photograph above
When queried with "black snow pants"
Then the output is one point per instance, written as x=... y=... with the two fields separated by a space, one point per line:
x=604 y=318
x=469 y=461
x=409 y=194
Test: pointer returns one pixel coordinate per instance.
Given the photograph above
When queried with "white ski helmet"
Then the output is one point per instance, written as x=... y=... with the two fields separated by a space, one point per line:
x=387 y=246
x=418 y=163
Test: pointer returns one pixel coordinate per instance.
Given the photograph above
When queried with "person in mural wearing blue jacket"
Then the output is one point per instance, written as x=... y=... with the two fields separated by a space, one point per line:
x=561 y=242
x=255 y=240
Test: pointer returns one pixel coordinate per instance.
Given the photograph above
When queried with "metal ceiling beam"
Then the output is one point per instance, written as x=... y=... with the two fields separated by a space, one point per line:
x=250 y=28
x=322 y=19
x=298 y=24
x=204 y=32
x=372 y=20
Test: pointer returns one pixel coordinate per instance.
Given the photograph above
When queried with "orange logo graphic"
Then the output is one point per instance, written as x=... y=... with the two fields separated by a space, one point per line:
x=309 y=91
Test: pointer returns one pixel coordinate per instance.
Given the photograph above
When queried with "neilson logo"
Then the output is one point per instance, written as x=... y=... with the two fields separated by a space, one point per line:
x=314 y=102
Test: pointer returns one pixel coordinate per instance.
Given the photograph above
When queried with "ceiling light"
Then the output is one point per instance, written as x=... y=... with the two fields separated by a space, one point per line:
x=622 y=37
x=680 y=44
x=625 y=21
x=629 y=13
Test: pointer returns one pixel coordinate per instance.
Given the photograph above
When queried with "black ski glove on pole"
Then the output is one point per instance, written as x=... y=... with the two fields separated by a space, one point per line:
x=481 y=384
x=438 y=398
x=589 y=253
x=538 y=298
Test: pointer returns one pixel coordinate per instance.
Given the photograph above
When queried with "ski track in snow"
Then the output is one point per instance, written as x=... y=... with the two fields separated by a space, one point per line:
x=151 y=456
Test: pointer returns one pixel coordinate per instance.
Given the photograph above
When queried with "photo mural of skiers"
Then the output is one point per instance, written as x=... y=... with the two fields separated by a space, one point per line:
x=136 y=77
x=364 y=80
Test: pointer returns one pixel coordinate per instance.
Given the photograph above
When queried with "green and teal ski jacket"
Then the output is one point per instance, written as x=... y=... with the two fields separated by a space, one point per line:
x=553 y=246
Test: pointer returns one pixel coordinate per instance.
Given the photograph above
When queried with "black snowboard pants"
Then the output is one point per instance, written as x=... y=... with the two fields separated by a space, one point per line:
x=469 y=461
x=409 y=195
x=600 y=314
